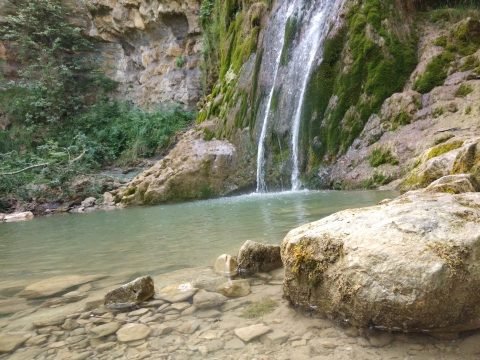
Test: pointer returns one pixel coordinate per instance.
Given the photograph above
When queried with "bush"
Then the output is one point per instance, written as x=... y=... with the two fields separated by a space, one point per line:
x=380 y=156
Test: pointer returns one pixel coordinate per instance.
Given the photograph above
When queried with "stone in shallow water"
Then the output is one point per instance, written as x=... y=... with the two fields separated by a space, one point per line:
x=249 y=333
x=207 y=300
x=235 y=288
x=56 y=285
x=226 y=265
x=54 y=320
x=133 y=332
x=104 y=330
x=408 y=265
x=136 y=291
x=176 y=293
x=254 y=257
x=10 y=342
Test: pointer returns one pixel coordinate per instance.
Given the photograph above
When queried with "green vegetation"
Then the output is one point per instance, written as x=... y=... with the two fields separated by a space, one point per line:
x=380 y=156
x=180 y=61
x=435 y=73
x=380 y=61
x=401 y=119
x=377 y=179
x=464 y=90
x=444 y=148
x=61 y=121
x=259 y=309
x=290 y=32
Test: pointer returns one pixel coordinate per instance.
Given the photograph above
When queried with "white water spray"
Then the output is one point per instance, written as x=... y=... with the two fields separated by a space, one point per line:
x=261 y=184
x=311 y=44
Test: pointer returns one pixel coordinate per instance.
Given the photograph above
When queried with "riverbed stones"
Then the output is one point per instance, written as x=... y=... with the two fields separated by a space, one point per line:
x=10 y=342
x=133 y=332
x=208 y=300
x=56 y=285
x=226 y=265
x=254 y=257
x=235 y=288
x=132 y=293
x=409 y=265
x=50 y=321
x=176 y=293
x=104 y=330
x=251 y=332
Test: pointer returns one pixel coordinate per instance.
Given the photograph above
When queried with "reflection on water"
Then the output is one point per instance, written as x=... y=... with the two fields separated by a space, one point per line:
x=162 y=238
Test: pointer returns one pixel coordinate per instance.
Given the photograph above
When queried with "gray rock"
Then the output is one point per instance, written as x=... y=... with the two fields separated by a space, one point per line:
x=407 y=265
x=10 y=342
x=254 y=257
x=176 y=293
x=104 y=330
x=207 y=300
x=454 y=184
x=16 y=217
x=56 y=285
x=249 y=333
x=50 y=321
x=133 y=332
x=136 y=291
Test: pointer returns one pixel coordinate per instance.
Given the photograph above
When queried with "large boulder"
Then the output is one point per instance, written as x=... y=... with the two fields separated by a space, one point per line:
x=194 y=169
x=136 y=291
x=410 y=264
x=454 y=184
x=255 y=257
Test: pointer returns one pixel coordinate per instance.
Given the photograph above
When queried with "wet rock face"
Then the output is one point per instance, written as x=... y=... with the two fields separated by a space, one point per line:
x=194 y=169
x=410 y=264
x=130 y=294
x=152 y=48
x=254 y=257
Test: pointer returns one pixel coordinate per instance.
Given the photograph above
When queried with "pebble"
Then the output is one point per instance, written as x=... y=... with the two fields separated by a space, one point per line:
x=104 y=330
x=189 y=327
x=105 y=346
x=133 y=332
x=181 y=306
x=249 y=333
x=138 y=312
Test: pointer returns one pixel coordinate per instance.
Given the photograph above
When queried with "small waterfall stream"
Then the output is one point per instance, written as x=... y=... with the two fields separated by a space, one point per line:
x=314 y=22
x=283 y=17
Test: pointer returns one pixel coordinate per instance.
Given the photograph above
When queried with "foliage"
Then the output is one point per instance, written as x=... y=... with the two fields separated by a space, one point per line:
x=108 y=133
x=380 y=156
x=435 y=73
x=463 y=90
x=58 y=74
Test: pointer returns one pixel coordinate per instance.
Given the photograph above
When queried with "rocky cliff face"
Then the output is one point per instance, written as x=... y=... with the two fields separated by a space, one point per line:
x=152 y=48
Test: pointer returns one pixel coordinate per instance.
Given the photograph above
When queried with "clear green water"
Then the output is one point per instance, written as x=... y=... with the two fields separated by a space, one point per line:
x=162 y=238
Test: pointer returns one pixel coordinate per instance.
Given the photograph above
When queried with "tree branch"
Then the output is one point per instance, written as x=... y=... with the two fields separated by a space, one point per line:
x=24 y=169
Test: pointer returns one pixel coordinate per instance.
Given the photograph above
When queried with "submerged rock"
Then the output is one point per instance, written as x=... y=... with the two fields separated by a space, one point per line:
x=10 y=342
x=254 y=257
x=235 y=288
x=409 y=265
x=207 y=300
x=56 y=285
x=251 y=332
x=177 y=293
x=136 y=291
x=226 y=265
x=133 y=332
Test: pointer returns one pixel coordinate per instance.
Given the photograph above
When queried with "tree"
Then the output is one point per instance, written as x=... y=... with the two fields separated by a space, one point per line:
x=57 y=72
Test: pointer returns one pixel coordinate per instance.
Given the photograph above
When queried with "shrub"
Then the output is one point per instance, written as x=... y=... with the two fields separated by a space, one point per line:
x=380 y=156
x=464 y=90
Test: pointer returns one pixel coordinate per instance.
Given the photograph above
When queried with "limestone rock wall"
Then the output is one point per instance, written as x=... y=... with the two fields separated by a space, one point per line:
x=152 y=48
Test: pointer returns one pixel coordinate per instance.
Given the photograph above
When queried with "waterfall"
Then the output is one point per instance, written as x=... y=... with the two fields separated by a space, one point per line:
x=315 y=18
x=284 y=16
x=312 y=44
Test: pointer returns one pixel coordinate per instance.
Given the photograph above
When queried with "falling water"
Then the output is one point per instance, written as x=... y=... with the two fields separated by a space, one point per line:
x=312 y=44
x=261 y=184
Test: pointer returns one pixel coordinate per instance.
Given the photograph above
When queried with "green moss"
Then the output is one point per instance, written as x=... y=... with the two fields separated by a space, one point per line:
x=401 y=119
x=259 y=309
x=435 y=73
x=376 y=70
x=380 y=156
x=464 y=90
x=444 y=148
x=377 y=179
x=291 y=28
x=439 y=111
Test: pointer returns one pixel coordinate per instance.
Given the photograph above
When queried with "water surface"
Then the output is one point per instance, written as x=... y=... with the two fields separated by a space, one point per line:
x=161 y=238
